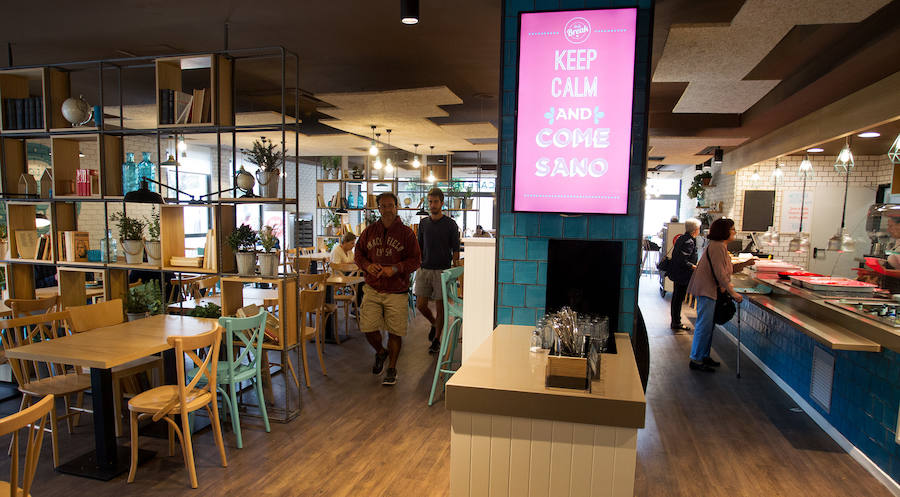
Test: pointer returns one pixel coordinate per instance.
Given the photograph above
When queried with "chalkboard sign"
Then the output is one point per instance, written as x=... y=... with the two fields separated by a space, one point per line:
x=759 y=210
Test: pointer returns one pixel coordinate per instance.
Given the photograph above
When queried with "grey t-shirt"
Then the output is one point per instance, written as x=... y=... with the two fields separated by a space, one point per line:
x=438 y=240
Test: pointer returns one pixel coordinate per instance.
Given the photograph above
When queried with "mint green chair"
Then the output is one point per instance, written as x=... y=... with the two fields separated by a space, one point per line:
x=249 y=333
x=453 y=308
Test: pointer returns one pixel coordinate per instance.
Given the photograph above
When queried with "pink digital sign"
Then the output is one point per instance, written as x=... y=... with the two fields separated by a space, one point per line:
x=573 y=122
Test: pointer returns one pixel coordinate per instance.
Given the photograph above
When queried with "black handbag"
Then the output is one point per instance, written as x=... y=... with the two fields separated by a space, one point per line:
x=725 y=307
x=665 y=264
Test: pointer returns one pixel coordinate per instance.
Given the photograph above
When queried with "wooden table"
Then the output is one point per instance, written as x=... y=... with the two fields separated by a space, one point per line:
x=340 y=280
x=337 y=281
x=101 y=350
x=256 y=296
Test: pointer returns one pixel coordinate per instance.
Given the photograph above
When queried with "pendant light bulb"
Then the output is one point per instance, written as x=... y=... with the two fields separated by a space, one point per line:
x=416 y=163
x=377 y=164
x=373 y=148
x=806 y=167
x=894 y=152
x=431 y=177
x=388 y=166
x=844 y=161
x=182 y=146
x=755 y=175
x=777 y=173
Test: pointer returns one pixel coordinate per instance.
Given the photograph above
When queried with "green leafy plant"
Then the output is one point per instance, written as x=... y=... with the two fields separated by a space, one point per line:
x=242 y=239
x=266 y=155
x=146 y=297
x=696 y=189
x=130 y=228
x=332 y=218
x=153 y=224
x=2 y=232
x=330 y=243
x=267 y=238
x=371 y=217
x=208 y=310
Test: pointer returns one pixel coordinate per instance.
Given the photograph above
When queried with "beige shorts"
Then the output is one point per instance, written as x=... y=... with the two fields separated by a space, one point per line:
x=383 y=311
x=428 y=284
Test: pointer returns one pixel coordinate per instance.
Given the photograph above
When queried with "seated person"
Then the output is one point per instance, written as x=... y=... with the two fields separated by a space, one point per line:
x=480 y=233
x=343 y=252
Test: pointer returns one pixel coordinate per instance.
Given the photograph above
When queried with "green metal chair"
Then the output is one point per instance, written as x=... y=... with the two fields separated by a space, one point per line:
x=249 y=332
x=453 y=308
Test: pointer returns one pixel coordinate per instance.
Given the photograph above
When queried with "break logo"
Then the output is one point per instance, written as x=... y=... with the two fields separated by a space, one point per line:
x=577 y=30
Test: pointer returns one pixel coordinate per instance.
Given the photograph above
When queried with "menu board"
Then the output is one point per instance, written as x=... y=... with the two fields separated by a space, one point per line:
x=573 y=121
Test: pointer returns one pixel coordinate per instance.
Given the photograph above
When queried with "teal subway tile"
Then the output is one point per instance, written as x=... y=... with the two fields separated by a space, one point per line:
x=505 y=177
x=513 y=247
x=509 y=102
x=508 y=123
x=634 y=203
x=535 y=296
x=511 y=27
x=551 y=225
x=512 y=295
x=627 y=301
x=526 y=272
x=629 y=276
x=542 y=273
x=546 y=4
x=504 y=315
x=627 y=227
x=523 y=316
x=513 y=7
x=626 y=323
x=575 y=227
x=597 y=4
x=528 y=224
x=571 y=4
x=507 y=224
x=537 y=249
x=505 y=271
x=631 y=252
x=600 y=227
x=505 y=200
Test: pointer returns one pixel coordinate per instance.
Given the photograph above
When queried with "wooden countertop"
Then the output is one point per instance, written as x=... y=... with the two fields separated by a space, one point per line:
x=503 y=377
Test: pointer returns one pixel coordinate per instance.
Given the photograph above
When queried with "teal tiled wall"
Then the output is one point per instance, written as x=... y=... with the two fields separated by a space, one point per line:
x=523 y=237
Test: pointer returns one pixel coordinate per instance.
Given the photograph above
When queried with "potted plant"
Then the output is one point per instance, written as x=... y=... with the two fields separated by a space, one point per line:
x=469 y=202
x=356 y=171
x=243 y=242
x=269 y=159
x=699 y=184
x=332 y=223
x=152 y=246
x=207 y=310
x=143 y=300
x=268 y=258
x=131 y=234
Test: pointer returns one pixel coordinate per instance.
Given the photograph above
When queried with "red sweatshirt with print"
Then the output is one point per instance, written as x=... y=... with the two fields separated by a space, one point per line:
x=395 y=245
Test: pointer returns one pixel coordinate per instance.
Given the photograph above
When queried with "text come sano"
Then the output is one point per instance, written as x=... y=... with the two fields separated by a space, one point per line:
x=588 y=138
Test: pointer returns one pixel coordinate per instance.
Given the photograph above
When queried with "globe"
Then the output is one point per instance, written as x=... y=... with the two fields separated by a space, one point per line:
x=76 y=110
x=244 y=180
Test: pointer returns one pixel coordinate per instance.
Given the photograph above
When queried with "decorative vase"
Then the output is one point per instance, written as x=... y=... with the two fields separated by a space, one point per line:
x=329 y=230
x=146 y=169
x=360 y=201
x=268 y=264
x=152 y=248
x=110 y=243
x=246 y=263
x=134 y=316
x=470 y=203
x=130 y=179
x=351 y=200
x=268 y=183
x=134 y=251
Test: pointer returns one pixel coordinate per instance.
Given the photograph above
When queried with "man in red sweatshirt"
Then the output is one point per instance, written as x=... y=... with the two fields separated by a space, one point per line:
x=388 y=252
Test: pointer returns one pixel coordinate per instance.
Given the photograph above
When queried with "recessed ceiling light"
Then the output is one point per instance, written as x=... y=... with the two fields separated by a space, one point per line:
x=869 y=134
x=815 y=150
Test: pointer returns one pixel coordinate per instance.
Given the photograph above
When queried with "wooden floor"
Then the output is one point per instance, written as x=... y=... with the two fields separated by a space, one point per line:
x=706 y=435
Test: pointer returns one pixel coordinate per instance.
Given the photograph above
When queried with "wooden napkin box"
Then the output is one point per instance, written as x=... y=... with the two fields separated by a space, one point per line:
x=186 y=261
x=567 y=372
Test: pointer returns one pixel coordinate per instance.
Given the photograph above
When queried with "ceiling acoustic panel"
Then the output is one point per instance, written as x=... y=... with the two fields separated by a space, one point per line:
x=722 y=97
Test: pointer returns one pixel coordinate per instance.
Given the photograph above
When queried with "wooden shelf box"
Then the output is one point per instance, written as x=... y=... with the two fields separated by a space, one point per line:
x=13 y=164
x=172 y=236
x=170 y=75
x=66 y=160
x=50 y=86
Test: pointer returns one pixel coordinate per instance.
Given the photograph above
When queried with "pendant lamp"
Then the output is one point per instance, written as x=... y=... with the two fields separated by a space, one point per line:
x=373 y=148
x=755 y=176
x=416 y=163
x=894 y=152
x=377 y=165
x=842 y=241
x=800 y=243
x=388 y=166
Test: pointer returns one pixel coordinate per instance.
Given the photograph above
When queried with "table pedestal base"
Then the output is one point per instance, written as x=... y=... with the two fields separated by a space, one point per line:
x=86 y=465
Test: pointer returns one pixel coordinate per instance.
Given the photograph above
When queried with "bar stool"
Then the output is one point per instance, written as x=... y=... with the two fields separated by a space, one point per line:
x=453 y=308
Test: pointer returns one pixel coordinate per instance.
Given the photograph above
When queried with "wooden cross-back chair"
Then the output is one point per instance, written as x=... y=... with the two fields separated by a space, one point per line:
x=348 y=295
x=163 y=403
x=181 y=287
x=37 y=378
x=27 y=307
x=125 y=377
x=317 y=282
x=312 y=303
x=33 y=418
x=207 y=284
x=300 y=265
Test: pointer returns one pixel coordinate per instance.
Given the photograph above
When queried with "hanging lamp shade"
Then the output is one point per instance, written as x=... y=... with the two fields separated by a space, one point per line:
x=894 y=152
x=144 y=195
x=755 y=175
x=409 y=12
x=377 y=164
x=806 y=168
x=799 y=243
x=844 y=160
x=41 y=221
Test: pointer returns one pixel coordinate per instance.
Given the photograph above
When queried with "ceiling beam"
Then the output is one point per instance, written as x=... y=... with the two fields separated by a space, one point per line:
x=873 y=105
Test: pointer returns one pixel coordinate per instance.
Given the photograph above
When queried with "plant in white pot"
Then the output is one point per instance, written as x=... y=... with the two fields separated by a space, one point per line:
x=143 y=300
x=152 y=245
x=266 y=155
x=243 y=242
x=268 y=258
x=332 y=223
x=131 y=233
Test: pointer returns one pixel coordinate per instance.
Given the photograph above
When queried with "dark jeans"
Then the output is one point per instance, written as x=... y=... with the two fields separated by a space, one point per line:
x=678 y=294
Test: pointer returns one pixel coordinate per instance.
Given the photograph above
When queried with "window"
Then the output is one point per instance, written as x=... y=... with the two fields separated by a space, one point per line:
x=196 y=219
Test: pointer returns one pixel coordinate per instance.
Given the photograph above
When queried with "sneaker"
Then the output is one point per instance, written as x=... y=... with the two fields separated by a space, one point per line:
x=435 y=346
x=431 y=334
x=709 y=361
x=390 y=378
x=379 y=362
x=699 y=366
x=680 y=327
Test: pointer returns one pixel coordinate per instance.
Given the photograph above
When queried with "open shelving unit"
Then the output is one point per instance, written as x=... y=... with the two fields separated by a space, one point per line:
x=214 y=73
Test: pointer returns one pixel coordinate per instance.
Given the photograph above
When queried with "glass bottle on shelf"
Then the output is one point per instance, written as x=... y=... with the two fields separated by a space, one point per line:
x=535 y=341
x=109 y=243
x=146 y=169
x=351 y=202
x=130 y=180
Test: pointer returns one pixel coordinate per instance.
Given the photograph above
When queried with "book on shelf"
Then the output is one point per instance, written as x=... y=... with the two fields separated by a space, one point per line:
x=29 y=114
x=48 y=249
x=39 y=109
x=371 y=202
x=26 y=243
x=81 y=242
x=319 y=201
x=200 y=106
x=39 y=249
x=20 y=113
x=183 y=105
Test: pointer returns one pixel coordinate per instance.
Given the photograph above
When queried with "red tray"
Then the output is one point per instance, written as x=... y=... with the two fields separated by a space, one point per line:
x=786 y=275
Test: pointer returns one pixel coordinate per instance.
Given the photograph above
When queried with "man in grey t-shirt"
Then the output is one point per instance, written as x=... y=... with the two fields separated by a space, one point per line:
x=439 y=244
